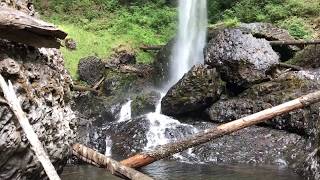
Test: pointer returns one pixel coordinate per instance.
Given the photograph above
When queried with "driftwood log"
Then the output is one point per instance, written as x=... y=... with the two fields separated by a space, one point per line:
x=14 y=104
x=19 y=27
x=164 y=151
x=84 y=88
x=93 y=157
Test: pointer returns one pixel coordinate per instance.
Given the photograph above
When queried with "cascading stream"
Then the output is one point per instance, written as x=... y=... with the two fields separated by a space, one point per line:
x=187 y=52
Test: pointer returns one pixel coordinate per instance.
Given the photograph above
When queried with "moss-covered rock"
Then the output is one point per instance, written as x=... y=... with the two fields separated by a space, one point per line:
x=197 y=90
x=145 y=102
x=309 y=57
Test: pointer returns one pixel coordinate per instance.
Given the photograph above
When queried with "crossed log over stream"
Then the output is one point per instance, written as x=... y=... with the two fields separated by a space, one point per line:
x=167 y=150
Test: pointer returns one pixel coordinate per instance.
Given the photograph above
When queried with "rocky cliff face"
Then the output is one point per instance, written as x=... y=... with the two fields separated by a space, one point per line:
x=42 y=86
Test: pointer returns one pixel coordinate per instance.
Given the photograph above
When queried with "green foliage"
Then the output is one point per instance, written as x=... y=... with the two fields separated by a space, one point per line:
x=289 y=14
x=297 y=27
x=98 y=26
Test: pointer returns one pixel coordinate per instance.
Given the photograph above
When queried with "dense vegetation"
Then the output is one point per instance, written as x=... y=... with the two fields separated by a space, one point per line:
x=99 y=26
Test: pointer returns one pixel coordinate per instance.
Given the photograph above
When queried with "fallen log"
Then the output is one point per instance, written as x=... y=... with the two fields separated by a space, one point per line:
x=36 y=145
x=151 y=48
x=297 y=42
x=272 y=43
x=19 y=27
x=83 y=89
x=97 y=85
x=293 y=67
x=93 y=157
x=164 y=151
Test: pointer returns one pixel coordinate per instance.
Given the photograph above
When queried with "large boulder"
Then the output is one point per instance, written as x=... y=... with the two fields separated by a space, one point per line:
x=265 y=95
x=197 y=90
x=241 y=59
x=272 y=33
x=43 y=87
x=91 y=69
x=309 y=57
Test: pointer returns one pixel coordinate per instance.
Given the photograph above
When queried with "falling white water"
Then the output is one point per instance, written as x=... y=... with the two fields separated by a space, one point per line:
x=159 y=124
x=108 y=146
x=125 y=112
x=191 y=38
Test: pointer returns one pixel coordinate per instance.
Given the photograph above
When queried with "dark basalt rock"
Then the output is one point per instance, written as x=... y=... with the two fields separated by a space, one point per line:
x=144 y=103
x=70 y=44
x=197 y=90
x=91 y=69
x=272 y=33
x=161 y=64
x=42 y=85
x=265 y=95
x=241 y=59
x=309 y=57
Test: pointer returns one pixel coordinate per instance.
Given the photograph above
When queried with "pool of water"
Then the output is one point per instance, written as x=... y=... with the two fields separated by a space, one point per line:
x=171 y=170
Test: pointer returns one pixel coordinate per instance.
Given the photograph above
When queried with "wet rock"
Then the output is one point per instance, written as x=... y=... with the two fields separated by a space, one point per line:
x=309 y=57
x=161 y=64
x=144 y=103
x=241 y=59
x=254 y=145
x=70 y=44
x=265 y=95
x=42 y=85
x=197 y=90
x=91 y=69
x=101 y=109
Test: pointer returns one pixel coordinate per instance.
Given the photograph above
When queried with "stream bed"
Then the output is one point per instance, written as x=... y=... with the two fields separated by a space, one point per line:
x=173 y=170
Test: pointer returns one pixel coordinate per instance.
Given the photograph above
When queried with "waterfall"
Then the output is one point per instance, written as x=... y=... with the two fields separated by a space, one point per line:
x=125 y=112
x=191 y=38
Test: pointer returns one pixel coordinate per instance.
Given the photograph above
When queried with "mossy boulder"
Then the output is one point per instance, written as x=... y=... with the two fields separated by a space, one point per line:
x=197 y=90
x=241 y=59
x=91 y=69
x=145 y=102
x=309 y=57
x=265 y=95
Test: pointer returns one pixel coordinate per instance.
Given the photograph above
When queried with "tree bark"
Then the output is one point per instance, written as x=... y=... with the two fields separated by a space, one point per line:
x=164 y=151
x=97 y=159
x=14 y=104
x=151 y=48
x=298 y=42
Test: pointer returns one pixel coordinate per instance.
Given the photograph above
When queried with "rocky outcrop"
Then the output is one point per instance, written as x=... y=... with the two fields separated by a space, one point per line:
x=197 y=90
x=161 y=64
x=241 y=59
x=144 y=103
x=42 y=85
x=272 y=33
x=91 y=69
x=265 y=95
x=309 y=57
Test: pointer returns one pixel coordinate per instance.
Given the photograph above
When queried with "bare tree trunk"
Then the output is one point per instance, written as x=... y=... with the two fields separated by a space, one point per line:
x=93 y=157
x=84 y=88
x=298 y=42
x=164 y=151
x=14 y=104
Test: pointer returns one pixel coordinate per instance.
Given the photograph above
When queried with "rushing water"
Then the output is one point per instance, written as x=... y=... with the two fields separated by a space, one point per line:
x=191 y=38
x=125 y=112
